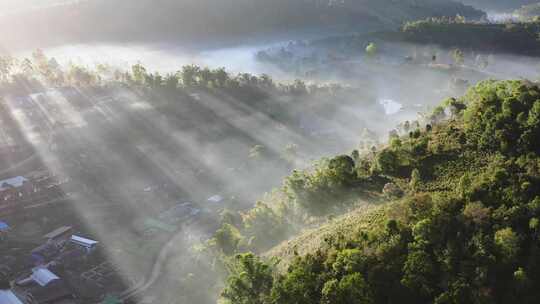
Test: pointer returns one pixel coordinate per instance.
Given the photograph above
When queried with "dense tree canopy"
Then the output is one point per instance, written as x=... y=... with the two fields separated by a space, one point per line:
x=466 y=230
x=504 y=116
x=516 y=38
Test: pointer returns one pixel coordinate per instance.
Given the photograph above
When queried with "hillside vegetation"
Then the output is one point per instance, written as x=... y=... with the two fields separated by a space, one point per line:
x=528 y=12
x=461 y=224
x=516 y=38
x=497 y=5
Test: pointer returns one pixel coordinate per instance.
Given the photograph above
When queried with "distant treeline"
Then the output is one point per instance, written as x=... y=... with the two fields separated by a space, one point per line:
x=498 y=4
x=515 y=38
x=529 y=12
x=210 y=21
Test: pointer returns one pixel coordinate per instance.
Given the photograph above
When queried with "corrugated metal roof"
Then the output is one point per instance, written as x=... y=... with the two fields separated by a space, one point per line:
x=3 y=227
x=8 y=297
x=14 y=182
x=57 y=232
x=43 y=276
x=83 y=241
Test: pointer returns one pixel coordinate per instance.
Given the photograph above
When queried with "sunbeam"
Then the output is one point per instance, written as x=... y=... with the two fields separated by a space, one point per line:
x=257 y=152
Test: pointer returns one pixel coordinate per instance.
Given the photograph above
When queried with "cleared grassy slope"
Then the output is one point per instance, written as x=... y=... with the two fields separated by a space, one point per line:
x=441 y=173
x=365 y=217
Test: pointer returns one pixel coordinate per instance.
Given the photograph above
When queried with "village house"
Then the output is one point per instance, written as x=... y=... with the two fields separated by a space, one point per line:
x=45 y=253
x=42 y=286
x=14 y=188
x=43 y=276
x=12 y=191
x=4 y=229
x=59 y=235
x=71 y=256
x=54 y=293
x=88 y=244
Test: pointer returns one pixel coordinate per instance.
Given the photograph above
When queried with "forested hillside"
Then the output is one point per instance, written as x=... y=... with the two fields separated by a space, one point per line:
x=456 y=218
x=210 y=21
x=513 y=38
x=497 y=5
x=528 y=12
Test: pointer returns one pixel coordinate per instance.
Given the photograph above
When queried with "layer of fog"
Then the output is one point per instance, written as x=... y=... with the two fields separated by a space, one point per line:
x=162 y=58
x=415 y=88
x=379 y=78
x=498 y=17
x=116 y=144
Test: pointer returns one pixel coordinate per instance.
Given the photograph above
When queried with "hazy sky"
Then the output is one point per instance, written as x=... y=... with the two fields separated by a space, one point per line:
x=11 y=6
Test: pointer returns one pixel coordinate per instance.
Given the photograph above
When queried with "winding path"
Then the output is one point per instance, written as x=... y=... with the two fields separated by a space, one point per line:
x=157 y=269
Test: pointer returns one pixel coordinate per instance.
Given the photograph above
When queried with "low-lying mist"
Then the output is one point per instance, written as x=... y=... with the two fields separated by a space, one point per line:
x=162 y=58
x=137 y=130
x=131 y=149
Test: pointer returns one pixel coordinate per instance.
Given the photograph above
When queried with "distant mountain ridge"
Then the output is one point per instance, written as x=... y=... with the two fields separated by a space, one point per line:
x=498 y=5
x=211 y=20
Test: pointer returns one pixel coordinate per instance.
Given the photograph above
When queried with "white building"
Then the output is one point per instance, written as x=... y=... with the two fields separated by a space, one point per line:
x=87 y=244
